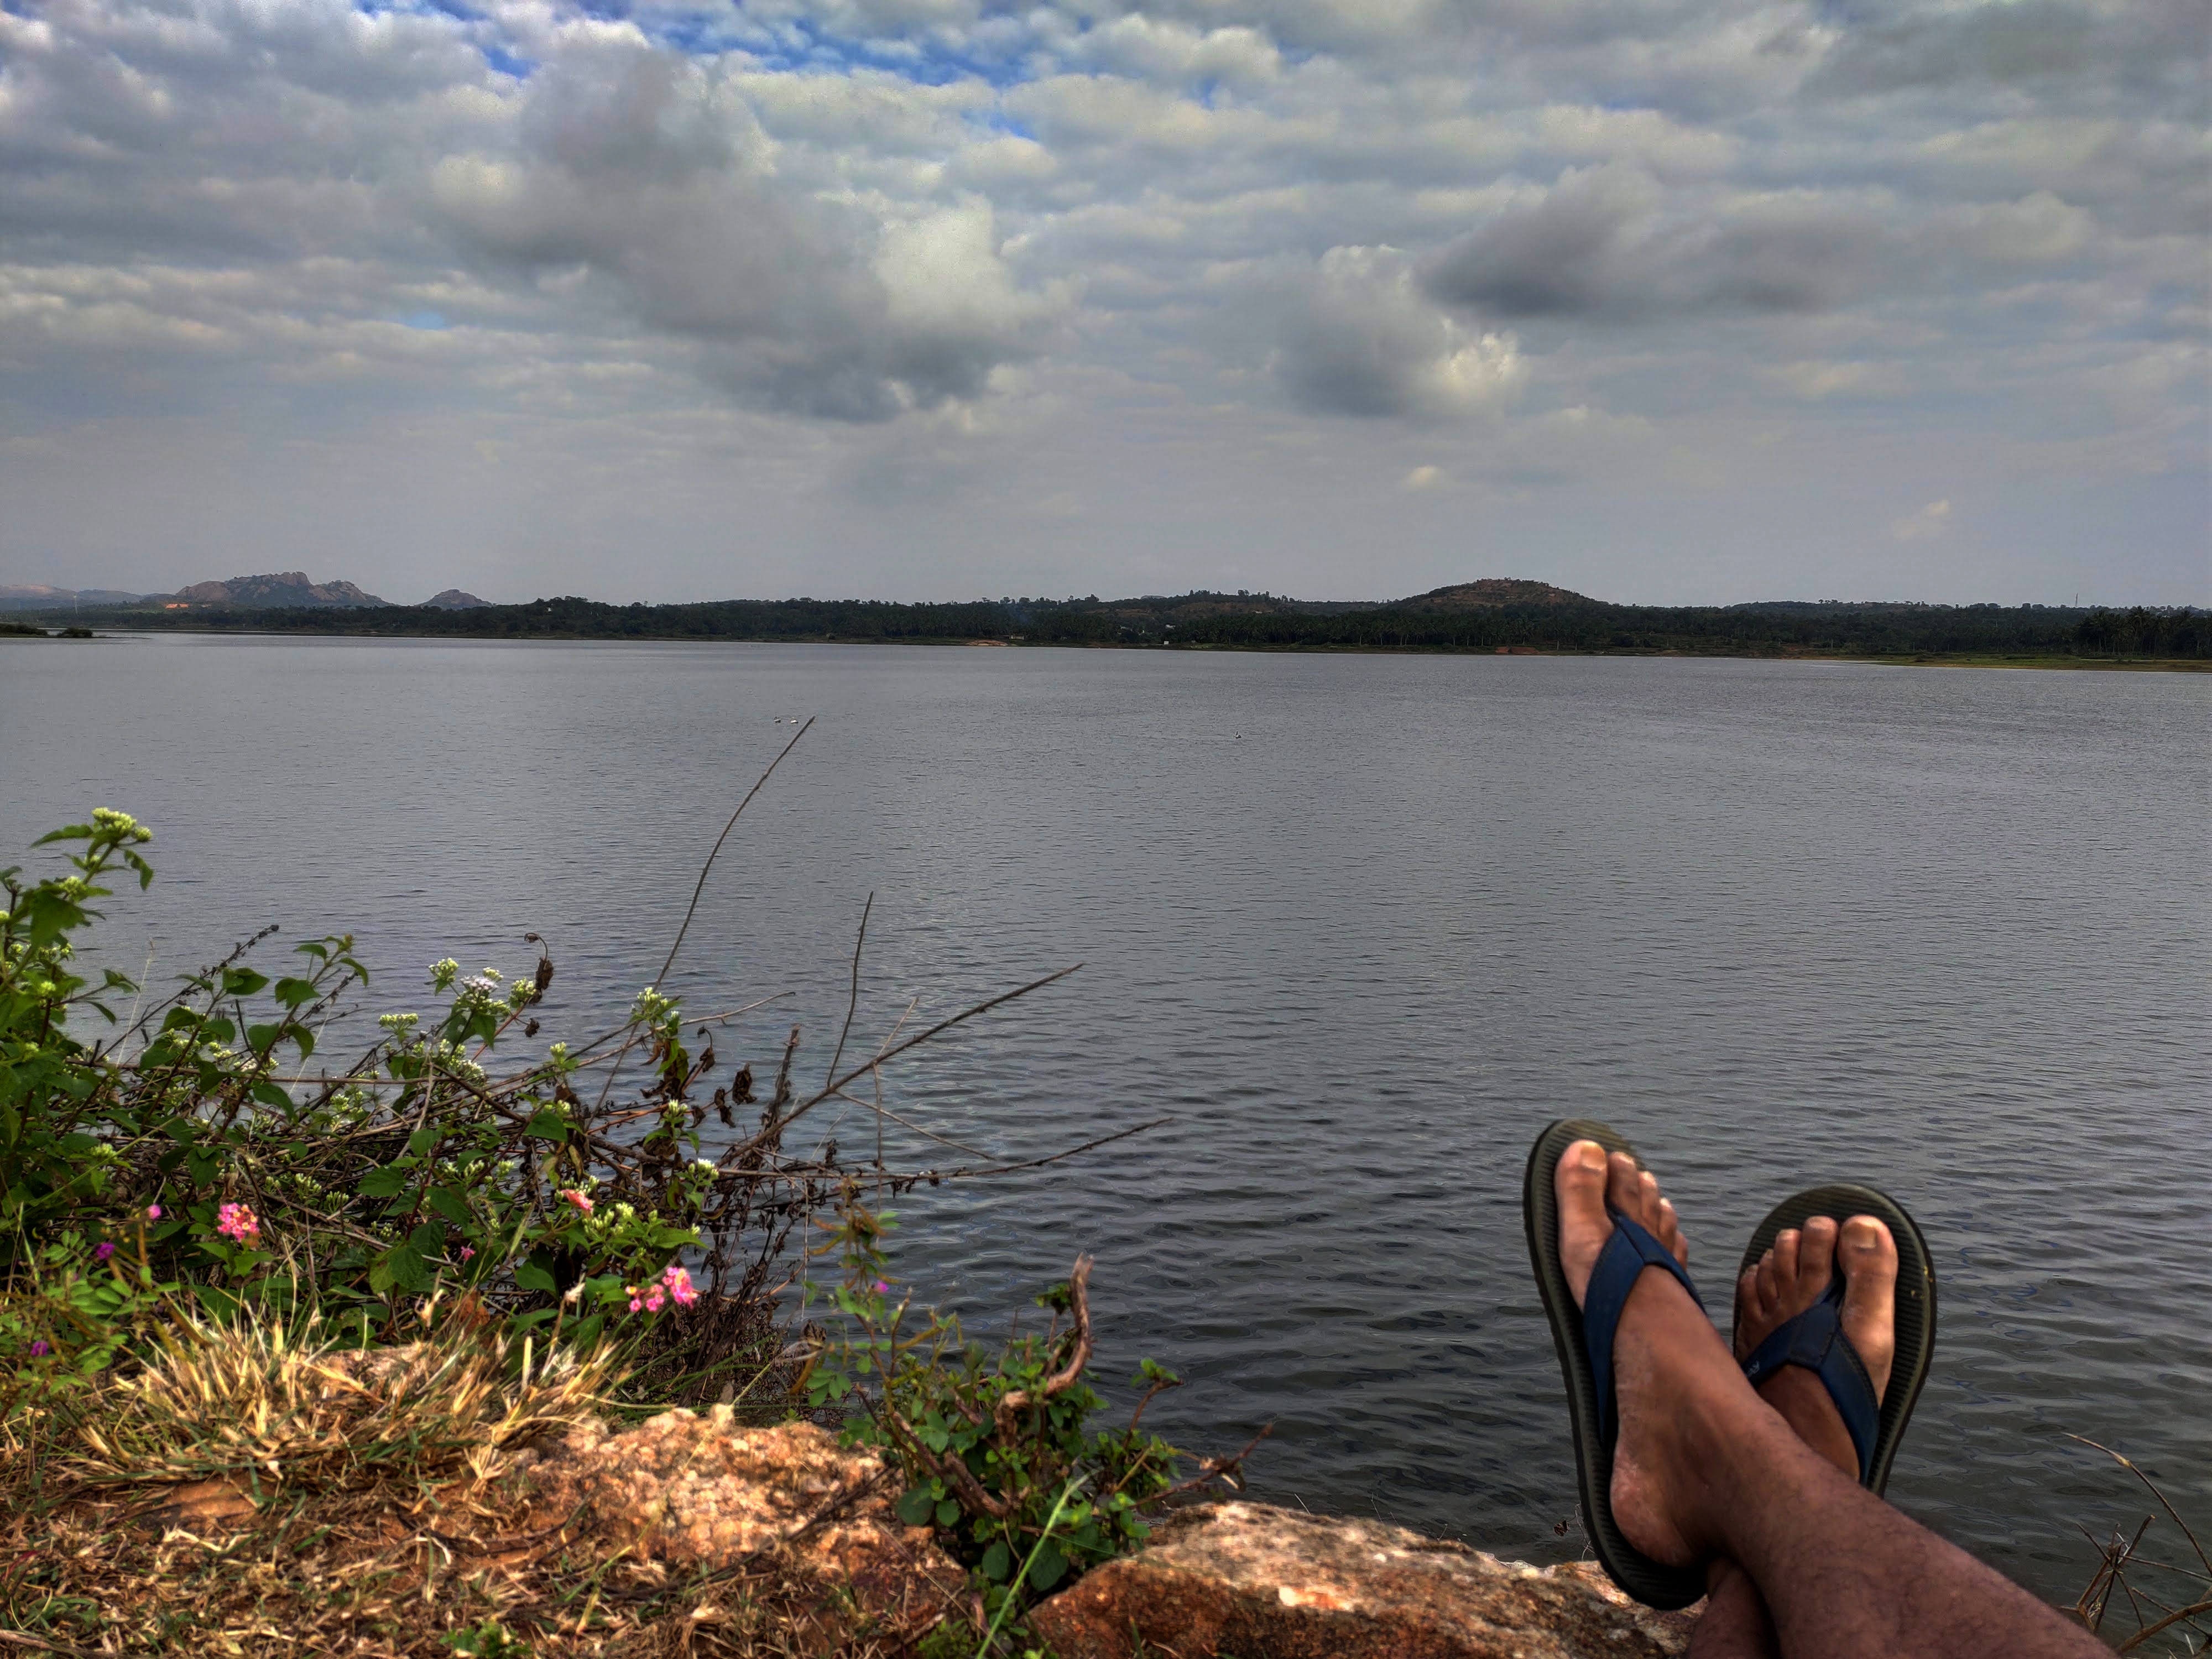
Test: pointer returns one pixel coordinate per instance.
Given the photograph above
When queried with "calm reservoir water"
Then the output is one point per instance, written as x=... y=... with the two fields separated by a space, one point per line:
x=1358 y=927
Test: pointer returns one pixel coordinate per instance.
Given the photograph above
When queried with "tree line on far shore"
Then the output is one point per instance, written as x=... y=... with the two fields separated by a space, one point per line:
x=1266 y=623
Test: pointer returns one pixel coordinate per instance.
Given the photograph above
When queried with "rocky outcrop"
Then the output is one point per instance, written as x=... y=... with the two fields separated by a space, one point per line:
x=275 y=587
x=1494 y=594
x=1261 y=1583
x=699 y=1491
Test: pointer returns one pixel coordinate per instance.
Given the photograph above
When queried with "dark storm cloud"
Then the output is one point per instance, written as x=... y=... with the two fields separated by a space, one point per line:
x=1606 y=243
x=2144 y=44
x=1355 y=335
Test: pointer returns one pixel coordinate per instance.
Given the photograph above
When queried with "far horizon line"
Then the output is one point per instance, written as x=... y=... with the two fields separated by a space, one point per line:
x=46 y=596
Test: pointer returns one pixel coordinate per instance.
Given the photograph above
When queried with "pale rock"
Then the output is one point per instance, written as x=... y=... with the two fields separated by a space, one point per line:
x=1260 y=1583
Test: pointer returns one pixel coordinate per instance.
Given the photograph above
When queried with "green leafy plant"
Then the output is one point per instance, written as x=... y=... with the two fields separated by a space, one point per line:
x=996 y=1448
x=487 y=1641
x=179 y=1160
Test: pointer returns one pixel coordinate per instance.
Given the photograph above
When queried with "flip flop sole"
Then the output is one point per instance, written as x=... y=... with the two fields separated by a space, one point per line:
x=1916 y=1299
x=1649 y=1581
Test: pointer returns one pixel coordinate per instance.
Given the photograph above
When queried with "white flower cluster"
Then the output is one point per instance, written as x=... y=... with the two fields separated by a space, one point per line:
x=483 y=992
x=121 y=825
x=452 y=1058
x=697 y=1178
x=661 y=1013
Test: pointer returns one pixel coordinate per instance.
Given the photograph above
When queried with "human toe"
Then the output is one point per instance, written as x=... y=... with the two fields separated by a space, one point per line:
x=1770 y=1272
x=1816 y=1256
x=1785 y=1254
x=1627 y=1191
x=1669 y=1231
x=1748 y=1318
x=1869 y=1257
x=1579 y=1183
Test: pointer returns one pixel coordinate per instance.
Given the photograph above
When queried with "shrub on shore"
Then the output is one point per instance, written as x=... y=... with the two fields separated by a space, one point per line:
x=183 y=1160
x=194 y=1228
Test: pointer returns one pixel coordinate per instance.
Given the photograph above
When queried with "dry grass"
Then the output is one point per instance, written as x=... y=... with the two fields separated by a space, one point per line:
x=253 y=1494
x=293 y=1411
x=2167 y=1602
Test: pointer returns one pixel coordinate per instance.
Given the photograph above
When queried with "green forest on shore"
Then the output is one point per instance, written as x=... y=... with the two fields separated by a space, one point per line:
x=1531 y=616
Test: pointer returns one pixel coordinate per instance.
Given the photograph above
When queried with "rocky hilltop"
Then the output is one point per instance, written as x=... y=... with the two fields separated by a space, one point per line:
x=289 y=588
x=1494 y=594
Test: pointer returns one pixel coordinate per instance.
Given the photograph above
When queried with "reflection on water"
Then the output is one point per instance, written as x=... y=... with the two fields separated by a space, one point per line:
x=1359 y=927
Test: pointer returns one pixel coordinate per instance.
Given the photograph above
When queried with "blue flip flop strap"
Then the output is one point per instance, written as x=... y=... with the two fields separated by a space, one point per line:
x=1620 y=1264
x=1815 y=1340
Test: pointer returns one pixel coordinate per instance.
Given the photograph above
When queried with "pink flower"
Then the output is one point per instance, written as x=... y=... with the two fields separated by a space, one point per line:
x=237 y=1221
x=581 y=1200
x=679 y=1285
x=153 y=1213
x=40 y=1349
x=635 y=1306
x=106 y=1247
x=467 y=1251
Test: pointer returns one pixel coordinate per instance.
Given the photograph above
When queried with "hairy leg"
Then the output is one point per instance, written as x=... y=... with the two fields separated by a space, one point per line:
x=1788 y=1278
x=1704 y=1470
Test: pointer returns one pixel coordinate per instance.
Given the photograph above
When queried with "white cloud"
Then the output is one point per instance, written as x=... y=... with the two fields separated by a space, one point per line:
x=1929 y=521
x=1815 y=381
x=927 y=249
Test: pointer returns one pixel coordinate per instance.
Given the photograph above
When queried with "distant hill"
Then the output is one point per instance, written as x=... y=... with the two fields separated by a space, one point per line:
x=289 y=588
x=454 y=598
x=1493 y=594
x=37 y=596
x=1495 y=615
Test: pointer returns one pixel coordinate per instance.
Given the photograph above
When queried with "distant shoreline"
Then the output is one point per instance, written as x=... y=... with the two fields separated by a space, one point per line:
x=2042 y=660
x=1494 y=614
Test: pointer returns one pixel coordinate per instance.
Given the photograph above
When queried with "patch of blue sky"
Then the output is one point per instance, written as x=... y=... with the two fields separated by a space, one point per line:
x=506 y=61
x=704 y=34
x=926 y=60
x=432 y=321
x=994 y=119
x=420 y=8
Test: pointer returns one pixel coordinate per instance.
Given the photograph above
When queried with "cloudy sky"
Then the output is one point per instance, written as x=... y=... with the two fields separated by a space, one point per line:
x=1661 y=300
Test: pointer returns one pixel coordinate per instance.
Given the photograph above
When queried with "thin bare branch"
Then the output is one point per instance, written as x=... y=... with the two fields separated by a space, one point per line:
x=2172 y=1618
x=837 y=1085
x=700 y=886
x=1078 y=1298
x=2128 y=1465
x=853 y=1000
x=969 y=1173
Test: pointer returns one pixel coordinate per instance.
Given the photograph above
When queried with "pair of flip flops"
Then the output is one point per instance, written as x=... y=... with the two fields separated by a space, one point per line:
x=1814 y=1339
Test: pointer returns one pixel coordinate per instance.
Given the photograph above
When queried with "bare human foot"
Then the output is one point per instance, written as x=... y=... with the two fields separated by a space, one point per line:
x=1793 y=1275
x=1668 y=1365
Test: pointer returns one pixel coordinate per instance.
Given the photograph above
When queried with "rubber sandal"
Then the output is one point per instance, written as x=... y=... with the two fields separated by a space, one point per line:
x=1815 y=1338
x=1585 y=1348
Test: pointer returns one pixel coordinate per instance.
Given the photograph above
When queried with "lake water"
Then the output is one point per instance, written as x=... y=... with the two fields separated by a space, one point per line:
x=1358 y=927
